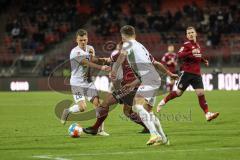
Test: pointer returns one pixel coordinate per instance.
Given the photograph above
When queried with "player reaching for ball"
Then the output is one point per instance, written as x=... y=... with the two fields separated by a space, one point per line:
x=81 y=58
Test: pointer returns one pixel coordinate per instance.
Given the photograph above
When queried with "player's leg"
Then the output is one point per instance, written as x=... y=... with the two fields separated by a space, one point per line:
x=169 y=83
x=157 y=124
x=79 y=106
x=128 y=112
x=102 y=113
x=170 y=96
x=96 y=102
x=182 y=84
x=92 y=96
x=127 y=100
x=138 y=107
x=197 y=84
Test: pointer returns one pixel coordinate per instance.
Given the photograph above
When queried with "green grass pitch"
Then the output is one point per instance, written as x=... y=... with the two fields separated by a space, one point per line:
x=29 y=129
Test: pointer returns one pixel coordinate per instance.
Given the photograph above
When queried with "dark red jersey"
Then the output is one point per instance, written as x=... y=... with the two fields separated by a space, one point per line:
x=128 y=74
x=170 y=61
x=189 y=63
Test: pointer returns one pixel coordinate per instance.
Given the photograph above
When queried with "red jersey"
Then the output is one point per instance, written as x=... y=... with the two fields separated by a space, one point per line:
x=190 y=63
x=128 y=74
x=170 y=61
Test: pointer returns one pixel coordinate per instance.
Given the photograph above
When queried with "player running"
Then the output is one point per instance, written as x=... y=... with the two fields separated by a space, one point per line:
x=140 y=61
x=81 y=85
x=127 y=76
x=169 y=59
x=191 y=56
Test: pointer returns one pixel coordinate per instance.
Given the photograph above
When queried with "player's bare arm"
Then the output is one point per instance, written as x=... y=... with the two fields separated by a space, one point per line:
x=117 y=64
x=130 y=86
x=164 y=70
x=103 y=61
x=93 y=65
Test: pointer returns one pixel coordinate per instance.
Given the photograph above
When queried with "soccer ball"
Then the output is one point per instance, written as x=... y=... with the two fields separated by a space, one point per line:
x=75 y=130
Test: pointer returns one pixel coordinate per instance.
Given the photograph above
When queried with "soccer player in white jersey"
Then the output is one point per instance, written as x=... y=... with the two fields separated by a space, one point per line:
x=120 y=95
x=81 y=58
x=140 y=61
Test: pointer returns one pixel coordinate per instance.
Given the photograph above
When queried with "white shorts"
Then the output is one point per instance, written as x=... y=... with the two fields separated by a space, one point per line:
x=149 y=92
x=84 y=91
x=168 y=80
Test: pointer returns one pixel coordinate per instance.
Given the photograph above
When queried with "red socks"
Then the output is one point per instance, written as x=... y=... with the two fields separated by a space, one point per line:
x=203 y=103
x=170 y=87
x=201 y=99
x=102 y=113
x=135 y=118
x=170 y=96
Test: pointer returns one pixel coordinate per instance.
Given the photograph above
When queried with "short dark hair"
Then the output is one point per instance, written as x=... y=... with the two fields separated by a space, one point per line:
x=81 y=32
x=190 y=27
x=127 y=30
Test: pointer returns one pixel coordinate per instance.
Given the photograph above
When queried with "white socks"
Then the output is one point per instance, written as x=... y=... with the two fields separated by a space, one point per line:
x=158 y=126
x=162 y=103
x=101 y=128
x=146 y=119
x=74 y=109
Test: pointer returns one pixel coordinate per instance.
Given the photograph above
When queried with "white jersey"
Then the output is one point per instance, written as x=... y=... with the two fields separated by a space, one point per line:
x=78 y=71
x=141 y=62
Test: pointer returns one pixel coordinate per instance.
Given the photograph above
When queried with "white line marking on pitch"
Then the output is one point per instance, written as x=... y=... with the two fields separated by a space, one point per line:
x=134 y=152
x=50 y=157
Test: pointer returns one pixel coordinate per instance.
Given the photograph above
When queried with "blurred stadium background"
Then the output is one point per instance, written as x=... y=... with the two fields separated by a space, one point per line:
x=37 y=36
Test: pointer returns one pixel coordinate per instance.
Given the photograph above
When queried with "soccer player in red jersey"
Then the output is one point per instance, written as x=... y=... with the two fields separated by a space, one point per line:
x=191 y=56
x=169 y=59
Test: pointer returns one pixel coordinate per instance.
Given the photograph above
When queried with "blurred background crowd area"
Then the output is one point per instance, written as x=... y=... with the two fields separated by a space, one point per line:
x=36 y=36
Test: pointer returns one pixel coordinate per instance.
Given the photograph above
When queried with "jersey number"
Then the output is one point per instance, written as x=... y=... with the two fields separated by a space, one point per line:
x=78 y=95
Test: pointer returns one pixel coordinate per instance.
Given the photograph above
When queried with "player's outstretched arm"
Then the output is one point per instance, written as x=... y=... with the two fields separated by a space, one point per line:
x=102 y=61
x=130 y=86
x=94 y=59
x=164 y=70
x=93 y=65
x=117 y=64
